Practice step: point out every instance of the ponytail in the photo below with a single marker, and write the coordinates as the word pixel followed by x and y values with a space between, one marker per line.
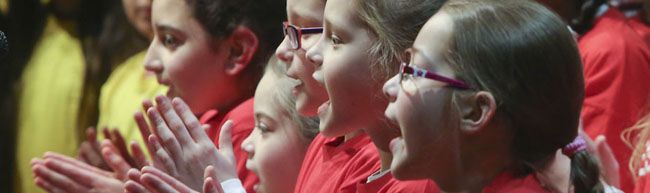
pixel 585 171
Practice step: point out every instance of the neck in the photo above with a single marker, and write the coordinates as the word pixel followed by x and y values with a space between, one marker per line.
pixel 480 160
pixel 381 135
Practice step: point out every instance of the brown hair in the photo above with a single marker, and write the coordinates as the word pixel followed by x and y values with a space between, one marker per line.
pixel 395 24
pixel 263 17
pixel 308 126
pixel 526 57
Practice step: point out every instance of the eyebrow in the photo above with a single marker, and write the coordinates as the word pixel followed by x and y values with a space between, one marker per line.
pixel 166 28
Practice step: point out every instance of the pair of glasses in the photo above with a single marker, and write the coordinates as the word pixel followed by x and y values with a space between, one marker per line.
pixel 295 33
pixel 406 70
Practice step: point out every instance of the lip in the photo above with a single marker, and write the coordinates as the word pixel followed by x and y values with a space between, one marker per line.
pixel 323 107
pixel 395 144
pixel 298 88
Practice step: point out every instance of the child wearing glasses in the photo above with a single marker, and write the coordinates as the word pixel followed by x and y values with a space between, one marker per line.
pixel 490 91
pixel 352 58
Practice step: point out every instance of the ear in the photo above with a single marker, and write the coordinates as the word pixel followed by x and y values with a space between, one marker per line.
pixel 243 45
pixel 477 111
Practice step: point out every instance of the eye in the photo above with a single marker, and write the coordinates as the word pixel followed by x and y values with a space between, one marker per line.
pixel 335 39
pixel 170 41
pixel 263 128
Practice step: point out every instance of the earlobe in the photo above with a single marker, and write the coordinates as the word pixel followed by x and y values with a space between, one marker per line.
pixel 477 112
pixel 243 45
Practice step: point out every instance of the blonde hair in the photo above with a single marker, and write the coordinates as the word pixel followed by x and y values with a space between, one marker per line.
pixel 637 137
pixel 308 126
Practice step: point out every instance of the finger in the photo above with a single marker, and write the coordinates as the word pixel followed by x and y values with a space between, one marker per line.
pixel 145 132
pixel 107 133
pixel 608 161
pixel 134 187
pixel 134 175
pixel 225 139
pixel 210 186
pixel 119 142
pixel 591 146
pixel 168 138
pixel 162 155
pixel 76 163
pixel 173 120
pixel 146 104
pixel 138 155
pixel 80 176
pixel 211 183
pixel 190 120
pixel 176 184
pixel 47 186
pixel 206 128
pixel 90 154
pixel 55 179
pixel 91 133
pixel 156 184
pixel 115 160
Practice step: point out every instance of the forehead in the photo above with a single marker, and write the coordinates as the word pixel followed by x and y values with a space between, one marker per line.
pixel 308 9
pixel 435 36
pixel 341 12
pixel 170 11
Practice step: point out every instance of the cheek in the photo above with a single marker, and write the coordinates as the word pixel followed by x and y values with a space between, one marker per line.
pixel 278 165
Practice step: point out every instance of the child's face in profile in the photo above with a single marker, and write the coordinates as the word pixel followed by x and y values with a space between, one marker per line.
pixel 184 57
pixel 309 94
pixel 343 68
pixel 423 110
pixel 139 14
pixel 275 147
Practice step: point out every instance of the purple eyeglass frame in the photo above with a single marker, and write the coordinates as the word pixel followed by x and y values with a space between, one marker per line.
pixel 418 72
pixel 299 32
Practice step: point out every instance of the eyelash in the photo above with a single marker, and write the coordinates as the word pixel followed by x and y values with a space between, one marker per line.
pixel 335 39
pixel 169 41
pixel 262 128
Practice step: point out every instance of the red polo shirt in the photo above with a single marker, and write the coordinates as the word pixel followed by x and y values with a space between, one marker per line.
pixel 641 28
pixel 506 183
pixel 617 74
pixel 332 165
pixel 243 124
pixel 388 184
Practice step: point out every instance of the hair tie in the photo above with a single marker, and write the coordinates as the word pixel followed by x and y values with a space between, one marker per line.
pixel 574 147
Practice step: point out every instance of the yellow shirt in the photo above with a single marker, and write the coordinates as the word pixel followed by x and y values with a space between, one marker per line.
pixel 52 83
pixel 122 95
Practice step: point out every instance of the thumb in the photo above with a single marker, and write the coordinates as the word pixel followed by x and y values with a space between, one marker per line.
pixel 225 140
pixel 608 161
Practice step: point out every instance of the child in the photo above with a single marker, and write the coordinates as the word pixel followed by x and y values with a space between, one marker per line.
pixel 350 63
pixel 210 53
pixel 276 147
pixel 491 91
pixel 125 88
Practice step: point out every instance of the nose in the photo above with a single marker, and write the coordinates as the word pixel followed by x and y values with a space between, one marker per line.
pixel 391 88
pixel 284 51
pixel 315 54
pixel 151 61
pixel 247 145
